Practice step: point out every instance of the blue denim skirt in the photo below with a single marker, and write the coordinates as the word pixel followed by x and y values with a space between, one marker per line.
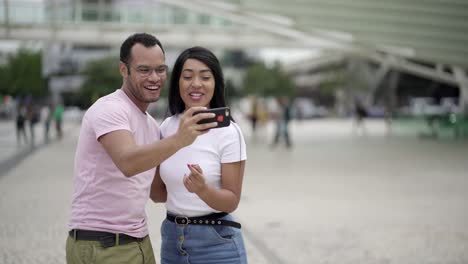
pixel 201 244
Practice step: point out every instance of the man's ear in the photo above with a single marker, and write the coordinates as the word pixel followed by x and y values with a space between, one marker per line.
pixel 123 69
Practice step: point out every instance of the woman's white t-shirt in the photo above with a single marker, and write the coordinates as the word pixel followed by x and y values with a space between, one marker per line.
pixel 209 151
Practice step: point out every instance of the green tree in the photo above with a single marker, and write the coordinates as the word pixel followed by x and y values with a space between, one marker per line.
pixel 102 77
pixel 231 90
pixel 3 80
pixel 264 81
pixel 236 59
pixel 337 81
pixel 22 74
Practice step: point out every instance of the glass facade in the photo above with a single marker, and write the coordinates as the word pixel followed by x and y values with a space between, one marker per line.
pixel 153 14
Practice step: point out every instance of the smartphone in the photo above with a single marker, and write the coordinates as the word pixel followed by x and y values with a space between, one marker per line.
pixel 222 116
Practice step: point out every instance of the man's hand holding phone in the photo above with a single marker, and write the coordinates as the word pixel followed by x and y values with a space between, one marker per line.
pixel 222 116
pixel 189 127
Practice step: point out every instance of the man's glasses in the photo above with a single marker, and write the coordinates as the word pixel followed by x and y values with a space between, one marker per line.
pixel 145 71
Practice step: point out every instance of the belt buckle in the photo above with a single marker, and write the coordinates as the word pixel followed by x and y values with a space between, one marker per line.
pixel 108 241
pixel 181 220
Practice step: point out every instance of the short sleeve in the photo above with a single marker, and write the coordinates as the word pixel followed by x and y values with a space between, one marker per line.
pixel 233 148
pixel 163 127
pixel 169 126
pixel 108 116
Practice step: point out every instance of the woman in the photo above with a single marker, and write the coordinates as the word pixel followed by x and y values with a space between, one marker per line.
pixel 201 183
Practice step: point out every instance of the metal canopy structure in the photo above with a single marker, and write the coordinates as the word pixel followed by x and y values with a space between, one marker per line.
pixel 430 30
pixel 427 38
pixel 434 31
pixel 396 34
pixel 423 37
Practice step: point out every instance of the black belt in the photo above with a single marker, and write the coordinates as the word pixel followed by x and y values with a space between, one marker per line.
pixel 105 238
pixel 211 219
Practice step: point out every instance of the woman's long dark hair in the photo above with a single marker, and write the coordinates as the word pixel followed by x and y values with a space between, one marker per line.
pixel 176 105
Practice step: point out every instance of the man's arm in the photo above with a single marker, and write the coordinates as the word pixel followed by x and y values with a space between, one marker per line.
pixel 132 159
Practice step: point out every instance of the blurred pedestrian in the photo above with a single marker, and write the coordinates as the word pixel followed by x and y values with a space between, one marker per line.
pixel 283 117
pixel 202 183
pixel 360 113
pixel 254 114
pixel 33 118
pixel 20 125
pixel 388 118
pixel 117 153
pixel 58 119
pixel 46 118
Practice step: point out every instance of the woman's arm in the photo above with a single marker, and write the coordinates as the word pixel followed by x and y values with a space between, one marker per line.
pixel 158 189
pixel 225 199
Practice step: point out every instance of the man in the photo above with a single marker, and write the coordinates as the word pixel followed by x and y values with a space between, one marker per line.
pixel 282 121
pixel 118 151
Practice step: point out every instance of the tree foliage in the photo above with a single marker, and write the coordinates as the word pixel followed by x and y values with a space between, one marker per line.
pixel 236 59
pixel 3 80
pixel 264 81
pixel 102 77
pixel 22 75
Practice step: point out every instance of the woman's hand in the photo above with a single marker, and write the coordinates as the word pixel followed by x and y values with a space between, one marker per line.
pixel 195 181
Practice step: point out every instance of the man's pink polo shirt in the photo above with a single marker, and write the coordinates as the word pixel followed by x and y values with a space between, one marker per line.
pixel 104 199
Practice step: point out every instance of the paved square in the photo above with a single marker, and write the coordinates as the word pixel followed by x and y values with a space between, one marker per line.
pixel 335 197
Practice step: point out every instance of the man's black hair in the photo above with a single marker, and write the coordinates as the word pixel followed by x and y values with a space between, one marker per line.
pixel 176 105
pixel 144 39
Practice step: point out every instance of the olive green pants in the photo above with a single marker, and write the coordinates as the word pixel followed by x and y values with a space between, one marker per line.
pixel 91 252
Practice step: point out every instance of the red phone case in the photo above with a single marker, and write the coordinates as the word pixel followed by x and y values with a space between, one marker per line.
pixel 223 116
